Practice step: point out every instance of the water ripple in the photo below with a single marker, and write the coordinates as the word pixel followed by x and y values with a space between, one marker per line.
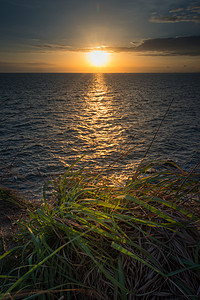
pixel 47 121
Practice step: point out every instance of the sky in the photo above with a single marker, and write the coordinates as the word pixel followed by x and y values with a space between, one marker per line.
pixel 139 35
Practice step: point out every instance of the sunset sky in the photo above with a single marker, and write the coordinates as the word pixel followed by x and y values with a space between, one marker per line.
pixel 137 35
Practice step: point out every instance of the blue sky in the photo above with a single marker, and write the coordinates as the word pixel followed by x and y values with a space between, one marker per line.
pixel 36 26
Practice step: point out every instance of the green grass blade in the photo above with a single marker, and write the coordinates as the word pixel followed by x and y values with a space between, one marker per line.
pixel 134 256
pixel 41 262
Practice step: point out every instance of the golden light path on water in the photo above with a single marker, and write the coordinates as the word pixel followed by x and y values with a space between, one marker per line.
pixel 99 116
pixel 98 119
pixel 104 123
pixel 98 126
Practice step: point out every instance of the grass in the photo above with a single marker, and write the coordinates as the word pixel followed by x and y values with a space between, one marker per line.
pixel 93 239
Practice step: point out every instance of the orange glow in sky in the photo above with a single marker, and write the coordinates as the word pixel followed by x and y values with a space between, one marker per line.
pixel 99 36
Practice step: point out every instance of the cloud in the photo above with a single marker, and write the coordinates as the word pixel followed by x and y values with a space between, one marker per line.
pixel 189 46
pixel 64 48
pixel 172 46
pixel 189 14
pixel 184 46
pixel 53 47
pixel 194 8
pixel 176 10
pixel 23 66
pixel 175 18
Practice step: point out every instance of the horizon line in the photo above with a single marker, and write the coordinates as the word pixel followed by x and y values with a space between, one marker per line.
pixel 194 72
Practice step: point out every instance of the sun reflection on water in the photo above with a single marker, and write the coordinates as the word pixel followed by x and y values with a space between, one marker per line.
pixel 99 117
pixel 95 125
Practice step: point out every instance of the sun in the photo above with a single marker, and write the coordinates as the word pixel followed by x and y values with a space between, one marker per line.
pixel 98 58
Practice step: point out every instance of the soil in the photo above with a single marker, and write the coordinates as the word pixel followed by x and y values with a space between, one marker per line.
pixel 12 209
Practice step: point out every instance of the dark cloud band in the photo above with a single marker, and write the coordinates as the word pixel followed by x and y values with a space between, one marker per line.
pixel 188 46
pixel 172 46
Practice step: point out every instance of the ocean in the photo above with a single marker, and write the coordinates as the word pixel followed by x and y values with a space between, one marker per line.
pixel 48 121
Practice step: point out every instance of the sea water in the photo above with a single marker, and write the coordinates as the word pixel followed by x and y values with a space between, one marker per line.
pixel 48 121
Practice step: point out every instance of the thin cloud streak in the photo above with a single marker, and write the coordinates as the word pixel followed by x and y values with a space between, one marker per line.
pixel 53 47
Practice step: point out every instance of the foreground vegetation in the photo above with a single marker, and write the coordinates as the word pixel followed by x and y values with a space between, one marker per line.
pixel 94 239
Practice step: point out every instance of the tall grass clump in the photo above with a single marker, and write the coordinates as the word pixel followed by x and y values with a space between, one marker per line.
pixel 96 240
